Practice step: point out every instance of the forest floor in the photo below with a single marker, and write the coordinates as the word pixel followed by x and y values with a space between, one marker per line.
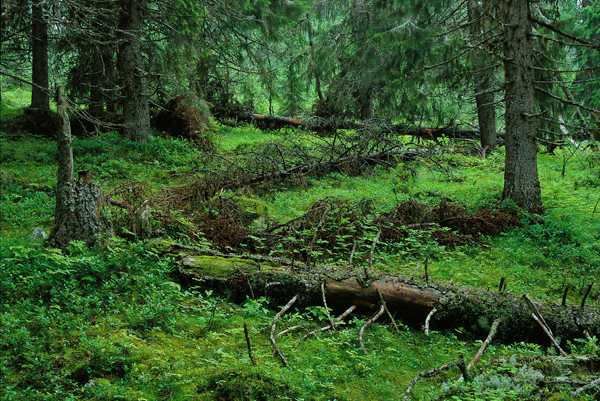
pixel 111 323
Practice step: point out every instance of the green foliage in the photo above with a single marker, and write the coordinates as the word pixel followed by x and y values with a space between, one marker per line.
pixel 108 324
pixel 247 386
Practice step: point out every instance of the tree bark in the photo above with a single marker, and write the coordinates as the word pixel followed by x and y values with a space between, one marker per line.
pixel 484 78
pixel 313 61
pixel 521 183
pixel 40 98
pixel 363 94
pixel 136 113
pixel 77 211
pixel 473 310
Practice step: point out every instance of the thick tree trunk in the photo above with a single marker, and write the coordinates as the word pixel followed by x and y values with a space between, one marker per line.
pixel 473 310
pixel 77 214
pixel 131 69
pixel 40 98
pixel 521 183
pixel 484 78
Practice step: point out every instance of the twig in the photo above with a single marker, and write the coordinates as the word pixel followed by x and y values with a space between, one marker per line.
pixel 250 287
pixel 388 311
pixel 484 345
pixel 248 345
pixel 353 251
pixel 537 316
pixel 289 330
pixel 272 337
pixel 331 321
pixel 427 320
pixel 588 289
pixel 502 285
pixel 564 296
pixel 340 320
pixel 369 322
pixel 423 375
pixel 426 269
pixel 589 386
pixel 372 253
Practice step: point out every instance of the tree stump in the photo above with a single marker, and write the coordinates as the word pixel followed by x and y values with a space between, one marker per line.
pixel 78 202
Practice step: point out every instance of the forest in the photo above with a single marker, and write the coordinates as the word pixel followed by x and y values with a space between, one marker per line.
pixel 328 200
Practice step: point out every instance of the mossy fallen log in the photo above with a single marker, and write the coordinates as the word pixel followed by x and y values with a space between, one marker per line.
pixel 471 310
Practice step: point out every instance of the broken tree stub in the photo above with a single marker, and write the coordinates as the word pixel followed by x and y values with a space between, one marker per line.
pixel 78 202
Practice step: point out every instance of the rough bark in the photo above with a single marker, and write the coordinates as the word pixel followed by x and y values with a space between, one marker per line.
pixel 473 310
pixel 521 183
pixel 363 95
pixel 313 61
pixel 136 111
pixel 77 214
pixel 483 78
pixel 40 98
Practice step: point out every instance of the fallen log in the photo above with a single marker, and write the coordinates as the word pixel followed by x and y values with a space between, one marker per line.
pixel 207 187
pixel 329 125
pixel 472 310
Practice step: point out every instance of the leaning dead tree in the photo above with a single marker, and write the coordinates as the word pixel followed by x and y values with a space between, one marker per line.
pixel 472 309
pixel 78 201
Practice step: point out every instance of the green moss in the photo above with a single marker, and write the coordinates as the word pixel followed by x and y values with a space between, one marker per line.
pixel 221 267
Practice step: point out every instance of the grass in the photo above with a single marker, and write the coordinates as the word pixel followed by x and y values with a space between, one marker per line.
pixel 109 324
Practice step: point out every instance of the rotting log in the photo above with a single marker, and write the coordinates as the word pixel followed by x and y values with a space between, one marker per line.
pixel 473 310
pixel 328 125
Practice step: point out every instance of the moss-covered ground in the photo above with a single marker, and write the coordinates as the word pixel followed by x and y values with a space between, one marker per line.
pixel 110 324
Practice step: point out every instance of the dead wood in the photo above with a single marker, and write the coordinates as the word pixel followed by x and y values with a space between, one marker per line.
pixel 273 337
pixel 340 320
pixel 370 321
pixel 472 309
pixel 484 344
pixel 330 125
pixel 77 214
pixel 248 344
pixel 424 375
pixel 210 186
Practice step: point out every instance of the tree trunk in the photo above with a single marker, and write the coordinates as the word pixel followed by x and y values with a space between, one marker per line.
pixel 473 310
pixel 40 98
pixel 521 183
pixel 363 95
pixel 77 212
pixel 313 61
pixel 484 78
pixel 136 112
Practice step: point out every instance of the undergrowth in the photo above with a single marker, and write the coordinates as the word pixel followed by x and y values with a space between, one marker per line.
pixel 111 323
